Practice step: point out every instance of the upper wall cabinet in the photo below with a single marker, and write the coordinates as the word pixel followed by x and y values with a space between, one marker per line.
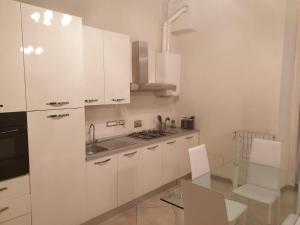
pixel 93 66
pixel 53 59
pixel 117 67
pixel 12 86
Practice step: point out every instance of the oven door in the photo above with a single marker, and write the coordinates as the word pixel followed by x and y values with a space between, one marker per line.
pixel 14 160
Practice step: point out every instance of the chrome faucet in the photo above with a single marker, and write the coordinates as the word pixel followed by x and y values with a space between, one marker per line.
pixel 90 131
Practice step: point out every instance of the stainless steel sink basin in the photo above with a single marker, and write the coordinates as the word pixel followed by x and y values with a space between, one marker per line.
pixel 94 149
pixel 108 145
pixel 115 143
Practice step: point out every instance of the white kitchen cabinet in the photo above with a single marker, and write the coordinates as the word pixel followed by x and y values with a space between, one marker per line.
pixel 130 176
pixel 53 59
pixel 13 208
pixel 93 66
pixel 22 220
pixel 185 143
pixel 14 188
pixel 57 166
pixel 152 167
pixel 101 185
pixel 12 84
pixel 171 160
pixel 117 68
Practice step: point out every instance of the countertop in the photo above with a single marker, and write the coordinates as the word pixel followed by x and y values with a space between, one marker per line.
pixel 140 143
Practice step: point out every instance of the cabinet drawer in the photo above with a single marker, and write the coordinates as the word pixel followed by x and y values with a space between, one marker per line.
pixel 14 188
pixel 13 208
pixel 23 220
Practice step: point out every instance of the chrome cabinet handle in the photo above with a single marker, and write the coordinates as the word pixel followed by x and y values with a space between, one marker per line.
pixel 3 189
pixel 91 100
pixel 10 131
pixel 130 154
pixel 189 137
pixel 152 148
pixel 171 142
pixel 118 99
pixel 59 116
pixel 103 162
pixel 4 209
pixel 57 104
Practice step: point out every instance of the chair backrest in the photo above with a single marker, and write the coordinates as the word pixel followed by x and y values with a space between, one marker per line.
pixel 265 162
pixel 266 152
pixel 199 161
pixel 203 206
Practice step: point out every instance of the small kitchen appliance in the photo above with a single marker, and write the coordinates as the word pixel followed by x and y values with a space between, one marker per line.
pixel 188 123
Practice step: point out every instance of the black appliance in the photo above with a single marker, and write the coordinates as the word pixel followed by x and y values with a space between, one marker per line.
pixel 188 123
pixel 14 159
pixel 148 134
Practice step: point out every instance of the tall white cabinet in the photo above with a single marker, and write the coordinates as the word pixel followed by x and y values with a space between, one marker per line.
pixel 53 59
pixel 57 166
pixel 53 56
pixel 117 67
pixel 12 86
pixel 93 66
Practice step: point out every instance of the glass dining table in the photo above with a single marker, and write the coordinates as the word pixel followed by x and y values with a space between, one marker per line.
pixel 252 184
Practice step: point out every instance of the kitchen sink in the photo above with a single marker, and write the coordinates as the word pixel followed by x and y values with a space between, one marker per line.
pixel 108 145
pixel 115 143
pixel 94 149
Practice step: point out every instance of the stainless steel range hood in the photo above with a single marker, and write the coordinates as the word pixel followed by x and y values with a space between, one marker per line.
pixel 140 81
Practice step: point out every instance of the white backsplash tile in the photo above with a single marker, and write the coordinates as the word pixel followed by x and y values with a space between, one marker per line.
pixel 144 106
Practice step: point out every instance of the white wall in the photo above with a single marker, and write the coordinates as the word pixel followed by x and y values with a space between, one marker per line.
pixel 231 71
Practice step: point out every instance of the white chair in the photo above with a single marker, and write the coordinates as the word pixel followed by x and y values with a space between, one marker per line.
pixel 200 167
pixel 263 174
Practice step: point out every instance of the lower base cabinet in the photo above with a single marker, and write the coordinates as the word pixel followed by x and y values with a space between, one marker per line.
pixel 12 208
pixel 23 220
pixel 130 176
pixel 171 161
pixel 115 180
pixel 101 185
pixel 185 143
pixel 152 167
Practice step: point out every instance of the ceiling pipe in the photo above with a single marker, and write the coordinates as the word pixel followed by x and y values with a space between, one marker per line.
pixel 166 39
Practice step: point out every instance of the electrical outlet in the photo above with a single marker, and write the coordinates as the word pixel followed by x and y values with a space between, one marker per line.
pixel 122 123
pixel 138 123
pixel 111 123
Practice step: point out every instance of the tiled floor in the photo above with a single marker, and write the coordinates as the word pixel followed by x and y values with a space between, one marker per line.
pixel 155 212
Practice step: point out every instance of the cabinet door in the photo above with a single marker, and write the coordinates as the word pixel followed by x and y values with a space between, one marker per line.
pixel 152 167
pixel 130 177
pixel 12 85
pixel 93 66
pixel 57 166
pixel 101 185
pixel 23 220
pixel 53 59
pixel 186 143
pixel 171 161
pixel 117 67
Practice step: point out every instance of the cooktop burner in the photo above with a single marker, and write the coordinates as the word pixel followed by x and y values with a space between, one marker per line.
pixel 148 134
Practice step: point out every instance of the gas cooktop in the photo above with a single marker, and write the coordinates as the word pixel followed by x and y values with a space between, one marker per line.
pixel 148 134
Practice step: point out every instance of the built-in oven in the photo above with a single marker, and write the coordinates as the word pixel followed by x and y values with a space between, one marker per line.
pixel 14 159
